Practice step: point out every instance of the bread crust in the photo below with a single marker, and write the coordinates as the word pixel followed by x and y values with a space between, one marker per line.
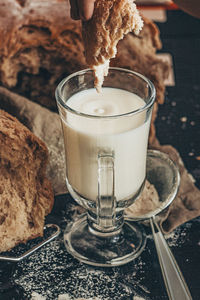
pixel 26 195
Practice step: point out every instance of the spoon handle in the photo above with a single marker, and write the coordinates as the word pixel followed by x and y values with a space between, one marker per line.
pixel 174 281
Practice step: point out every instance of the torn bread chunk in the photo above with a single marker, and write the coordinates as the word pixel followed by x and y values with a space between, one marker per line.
pixel 111 20
pixel 26 194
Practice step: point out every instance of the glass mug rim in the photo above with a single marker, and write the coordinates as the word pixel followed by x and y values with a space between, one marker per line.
pixel 148 104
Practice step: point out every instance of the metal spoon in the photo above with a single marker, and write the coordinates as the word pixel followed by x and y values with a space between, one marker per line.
pixel 175 284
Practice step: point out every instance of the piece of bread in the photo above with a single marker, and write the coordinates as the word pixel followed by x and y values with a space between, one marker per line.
pixel 111 20
pixel 26 195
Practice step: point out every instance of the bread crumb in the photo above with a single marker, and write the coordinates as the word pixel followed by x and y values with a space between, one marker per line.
pixel 183 119
pixel 100 72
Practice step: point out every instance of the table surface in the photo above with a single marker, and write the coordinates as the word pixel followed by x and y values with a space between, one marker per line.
pixel 51 271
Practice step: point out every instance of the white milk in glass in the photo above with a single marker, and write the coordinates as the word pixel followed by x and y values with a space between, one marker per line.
pixel 125 137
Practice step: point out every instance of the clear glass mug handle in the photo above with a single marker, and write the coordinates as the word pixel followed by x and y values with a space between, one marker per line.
pixel 106 201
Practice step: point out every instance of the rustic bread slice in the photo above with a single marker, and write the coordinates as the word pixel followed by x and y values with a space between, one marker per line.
pixel 111 20
pixel 26 195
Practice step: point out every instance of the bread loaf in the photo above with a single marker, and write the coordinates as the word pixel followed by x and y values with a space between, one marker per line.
pixel 26 195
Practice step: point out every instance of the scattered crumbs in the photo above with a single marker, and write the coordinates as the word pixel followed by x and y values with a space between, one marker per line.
pixel 36 296
pixel 64 297
pixel 52 263
pixel 192 123
pixel 73 280
pixel 138 298
pixel 183 119
pixel 163 118
pixel 67 297
pixel 191 154
pixel 173 103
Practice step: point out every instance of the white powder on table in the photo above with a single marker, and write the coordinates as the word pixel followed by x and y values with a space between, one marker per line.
pixel 52 273
pixel 36 296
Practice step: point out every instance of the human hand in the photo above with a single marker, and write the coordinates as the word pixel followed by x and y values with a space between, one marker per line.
pixel 81 9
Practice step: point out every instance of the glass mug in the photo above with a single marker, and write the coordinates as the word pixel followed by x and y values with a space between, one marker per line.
pixel 106 139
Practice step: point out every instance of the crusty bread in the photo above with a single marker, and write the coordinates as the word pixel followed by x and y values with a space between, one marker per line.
pixel 26 195
pixel 111 20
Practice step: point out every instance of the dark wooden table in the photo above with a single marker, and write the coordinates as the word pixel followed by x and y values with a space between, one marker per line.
pixel 51 271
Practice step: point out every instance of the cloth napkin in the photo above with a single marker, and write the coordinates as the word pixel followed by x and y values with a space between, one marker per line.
pixel 47 126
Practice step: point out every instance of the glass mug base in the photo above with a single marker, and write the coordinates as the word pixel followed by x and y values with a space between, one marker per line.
pixel 101 251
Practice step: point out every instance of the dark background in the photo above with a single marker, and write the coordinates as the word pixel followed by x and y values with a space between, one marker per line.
pixel 180 36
